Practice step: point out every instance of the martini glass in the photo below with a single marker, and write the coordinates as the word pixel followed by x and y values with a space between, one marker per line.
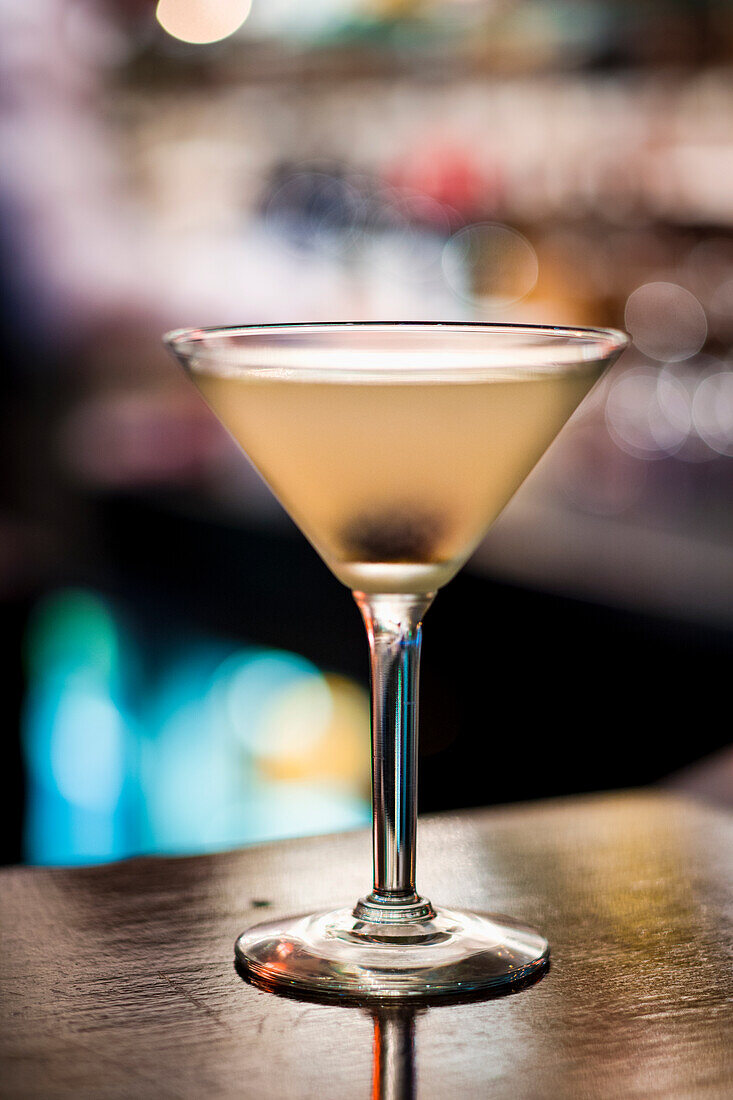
pixel 394 447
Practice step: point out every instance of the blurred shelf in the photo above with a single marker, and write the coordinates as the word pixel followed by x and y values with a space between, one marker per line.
pixel 611 561
pixel 441 40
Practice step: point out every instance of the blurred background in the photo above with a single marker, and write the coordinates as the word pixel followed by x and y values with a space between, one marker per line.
pixel 181 673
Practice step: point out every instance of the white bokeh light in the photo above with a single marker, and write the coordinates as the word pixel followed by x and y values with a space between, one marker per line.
pixel 666 321
pixel 687 374
pixel 202 21
pixel 648 413
pixel 712 411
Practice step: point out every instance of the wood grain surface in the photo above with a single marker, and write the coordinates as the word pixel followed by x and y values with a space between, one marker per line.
pixel 119 981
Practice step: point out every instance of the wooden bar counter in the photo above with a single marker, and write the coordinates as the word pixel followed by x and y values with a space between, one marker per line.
pixel 119 981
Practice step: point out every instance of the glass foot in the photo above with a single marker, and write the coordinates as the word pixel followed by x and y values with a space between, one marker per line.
pixel 446 954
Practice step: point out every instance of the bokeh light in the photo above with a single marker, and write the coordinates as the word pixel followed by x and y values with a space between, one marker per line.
pixel 666 321
pixel 491 266
pixel 648 413
pixel 76 736
pixel 88 750
pixel 278 704
pixel 224 746
pixel 315 209
pixel 712 410
pixel 202 21
pixel 686 376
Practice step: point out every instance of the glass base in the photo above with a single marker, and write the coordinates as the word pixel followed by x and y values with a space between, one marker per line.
pixel 337 954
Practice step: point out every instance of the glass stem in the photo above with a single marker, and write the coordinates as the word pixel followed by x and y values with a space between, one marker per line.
pixel 394 628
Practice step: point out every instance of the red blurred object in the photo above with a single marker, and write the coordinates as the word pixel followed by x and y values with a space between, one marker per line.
pixel 449 174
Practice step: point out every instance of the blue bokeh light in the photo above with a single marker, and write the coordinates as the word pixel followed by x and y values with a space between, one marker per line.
pixel 215 746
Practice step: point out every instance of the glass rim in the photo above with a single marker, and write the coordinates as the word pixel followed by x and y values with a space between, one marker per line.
pixel 542 348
